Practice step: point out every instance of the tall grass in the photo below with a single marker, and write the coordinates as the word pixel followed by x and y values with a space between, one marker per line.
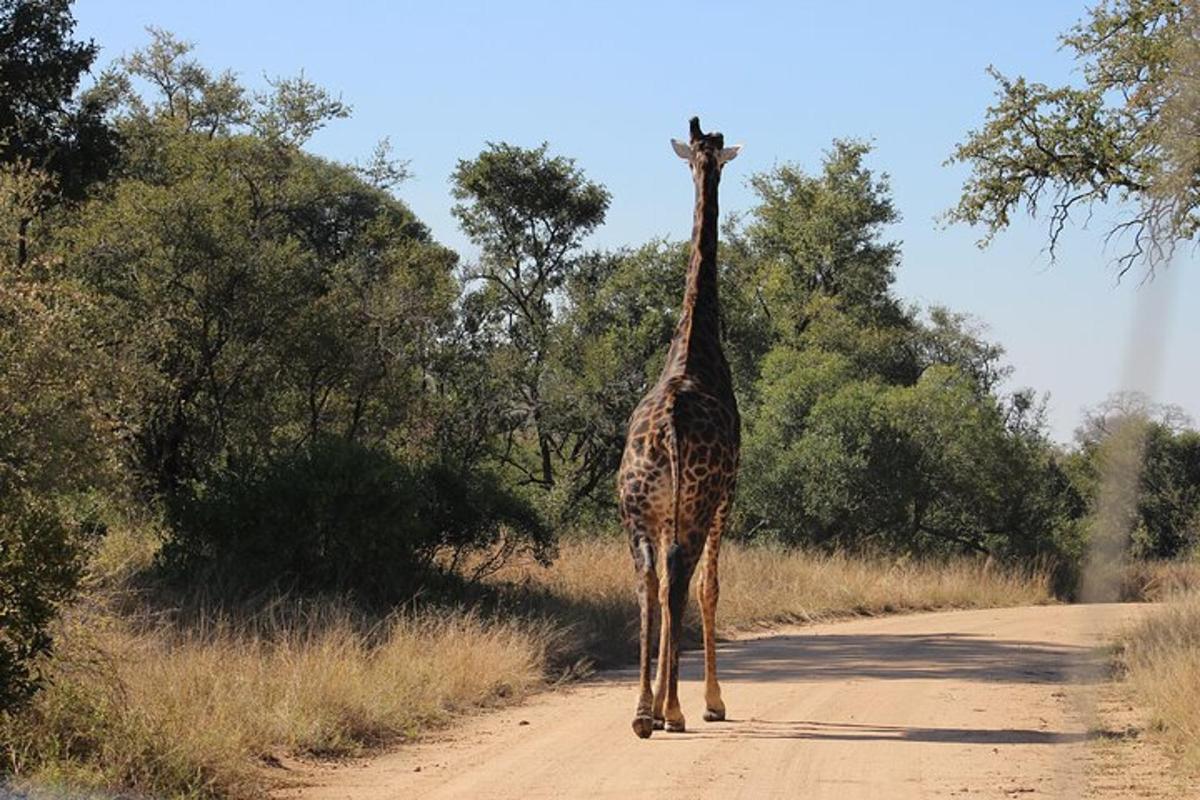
pixel 203 703
pixel 1155 581
pixel 590 591
pixel 199 714
pixel 1163 657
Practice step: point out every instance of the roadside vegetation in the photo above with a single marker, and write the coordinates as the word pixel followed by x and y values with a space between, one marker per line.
pixel 1162 656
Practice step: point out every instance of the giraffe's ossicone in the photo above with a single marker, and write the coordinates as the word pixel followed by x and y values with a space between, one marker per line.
pixel 679 469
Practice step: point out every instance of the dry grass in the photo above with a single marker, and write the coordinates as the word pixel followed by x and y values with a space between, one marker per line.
pixel 1163 658
pixel 591 588
pixel 201 714
pixel 1155 581
pixel 199 705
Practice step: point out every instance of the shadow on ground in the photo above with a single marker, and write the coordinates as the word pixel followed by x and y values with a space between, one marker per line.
pixel 834 657
pixel 851 732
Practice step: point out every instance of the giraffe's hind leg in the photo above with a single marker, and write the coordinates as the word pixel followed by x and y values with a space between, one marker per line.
pixel 708 591
pixel 664 653
pixel 647 589
pixel 679 573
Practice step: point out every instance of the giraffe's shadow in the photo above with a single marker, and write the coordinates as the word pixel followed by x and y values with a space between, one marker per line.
pixel 812 730
pixel 801 658
pixel 811 659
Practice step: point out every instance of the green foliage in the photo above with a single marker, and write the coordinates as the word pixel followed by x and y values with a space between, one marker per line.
pixel 869 425
pixel 529 213
pixel 44 126
pixel 52 442
pixel 1128 134
pixel 848 462
pixel 820 235
pixel 1166 517
pixel 260 296
pixel 337 516
pixel 620 311
pixel 1170 503
pixel 39 568
pixel 42 121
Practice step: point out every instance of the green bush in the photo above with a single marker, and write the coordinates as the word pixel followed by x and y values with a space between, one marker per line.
pixel 39 568
pixel 339 516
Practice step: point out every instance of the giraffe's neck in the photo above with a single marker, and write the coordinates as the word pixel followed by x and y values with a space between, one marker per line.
pixel 696 347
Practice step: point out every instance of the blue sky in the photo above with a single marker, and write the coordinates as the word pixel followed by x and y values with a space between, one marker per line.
pixel 609 83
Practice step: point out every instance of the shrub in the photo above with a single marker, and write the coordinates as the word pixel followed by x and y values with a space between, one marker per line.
pixel 39 568
pixel 339 516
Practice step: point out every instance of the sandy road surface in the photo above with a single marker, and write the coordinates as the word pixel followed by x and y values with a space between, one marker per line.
pixel 977 704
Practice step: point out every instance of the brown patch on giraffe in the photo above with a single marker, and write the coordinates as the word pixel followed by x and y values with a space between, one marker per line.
pixel 679 470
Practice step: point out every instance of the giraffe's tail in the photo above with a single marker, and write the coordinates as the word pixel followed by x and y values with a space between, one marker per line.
pixel 676 475
pixel 675 569
pixel 677 578
pixel 674 554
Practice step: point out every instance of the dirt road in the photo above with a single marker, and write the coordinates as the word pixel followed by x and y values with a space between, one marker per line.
pixel 978 704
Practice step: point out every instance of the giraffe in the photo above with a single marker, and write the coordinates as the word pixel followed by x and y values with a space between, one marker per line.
pixel 679 469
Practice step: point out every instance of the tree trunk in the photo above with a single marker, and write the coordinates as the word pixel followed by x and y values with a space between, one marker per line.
pixel 22 247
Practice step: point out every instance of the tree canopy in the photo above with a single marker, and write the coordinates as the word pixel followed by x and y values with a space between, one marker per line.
pixel 45 123
pixel 1127 137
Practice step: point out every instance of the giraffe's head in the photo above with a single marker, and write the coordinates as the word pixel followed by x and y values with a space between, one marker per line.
pixel 704 151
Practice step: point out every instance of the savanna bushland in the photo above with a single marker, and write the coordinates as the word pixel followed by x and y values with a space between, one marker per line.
pixel 280 474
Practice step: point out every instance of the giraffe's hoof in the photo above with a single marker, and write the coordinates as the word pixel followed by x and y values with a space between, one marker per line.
pixel 714 715
pixel 676 726
pixel 658 724
pixel 643 727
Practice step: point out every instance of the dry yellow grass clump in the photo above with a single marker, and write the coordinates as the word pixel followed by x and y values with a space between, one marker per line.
pixel 202 713
pixel 1154 581
pixel 169 703
pixel 1163 657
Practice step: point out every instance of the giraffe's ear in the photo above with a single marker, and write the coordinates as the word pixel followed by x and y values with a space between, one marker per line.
pixel 729 153
pixel 682 150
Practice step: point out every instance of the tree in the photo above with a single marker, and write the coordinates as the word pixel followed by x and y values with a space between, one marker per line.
pixel 53 441
pixel 1164 501
pixel 1129 135
pixel 286 329
pixel 821 236
pixel 263 296
pixel 931 467
pixel 870 423
pixel 44 125
pixel 529 213
pixel 956 339
pixel 619 312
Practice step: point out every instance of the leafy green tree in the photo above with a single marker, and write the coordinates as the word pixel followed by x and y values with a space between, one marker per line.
pixel 44 124
pixel 618 315
pixel 528 212
pixel 1128 134
pixel 955 339
pixel 263 296
pixel 187 95
pixel 53 441
pixel 931 467
pixel 870 424
pixel 293 370
pixel 820 236
pixel 1169 508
